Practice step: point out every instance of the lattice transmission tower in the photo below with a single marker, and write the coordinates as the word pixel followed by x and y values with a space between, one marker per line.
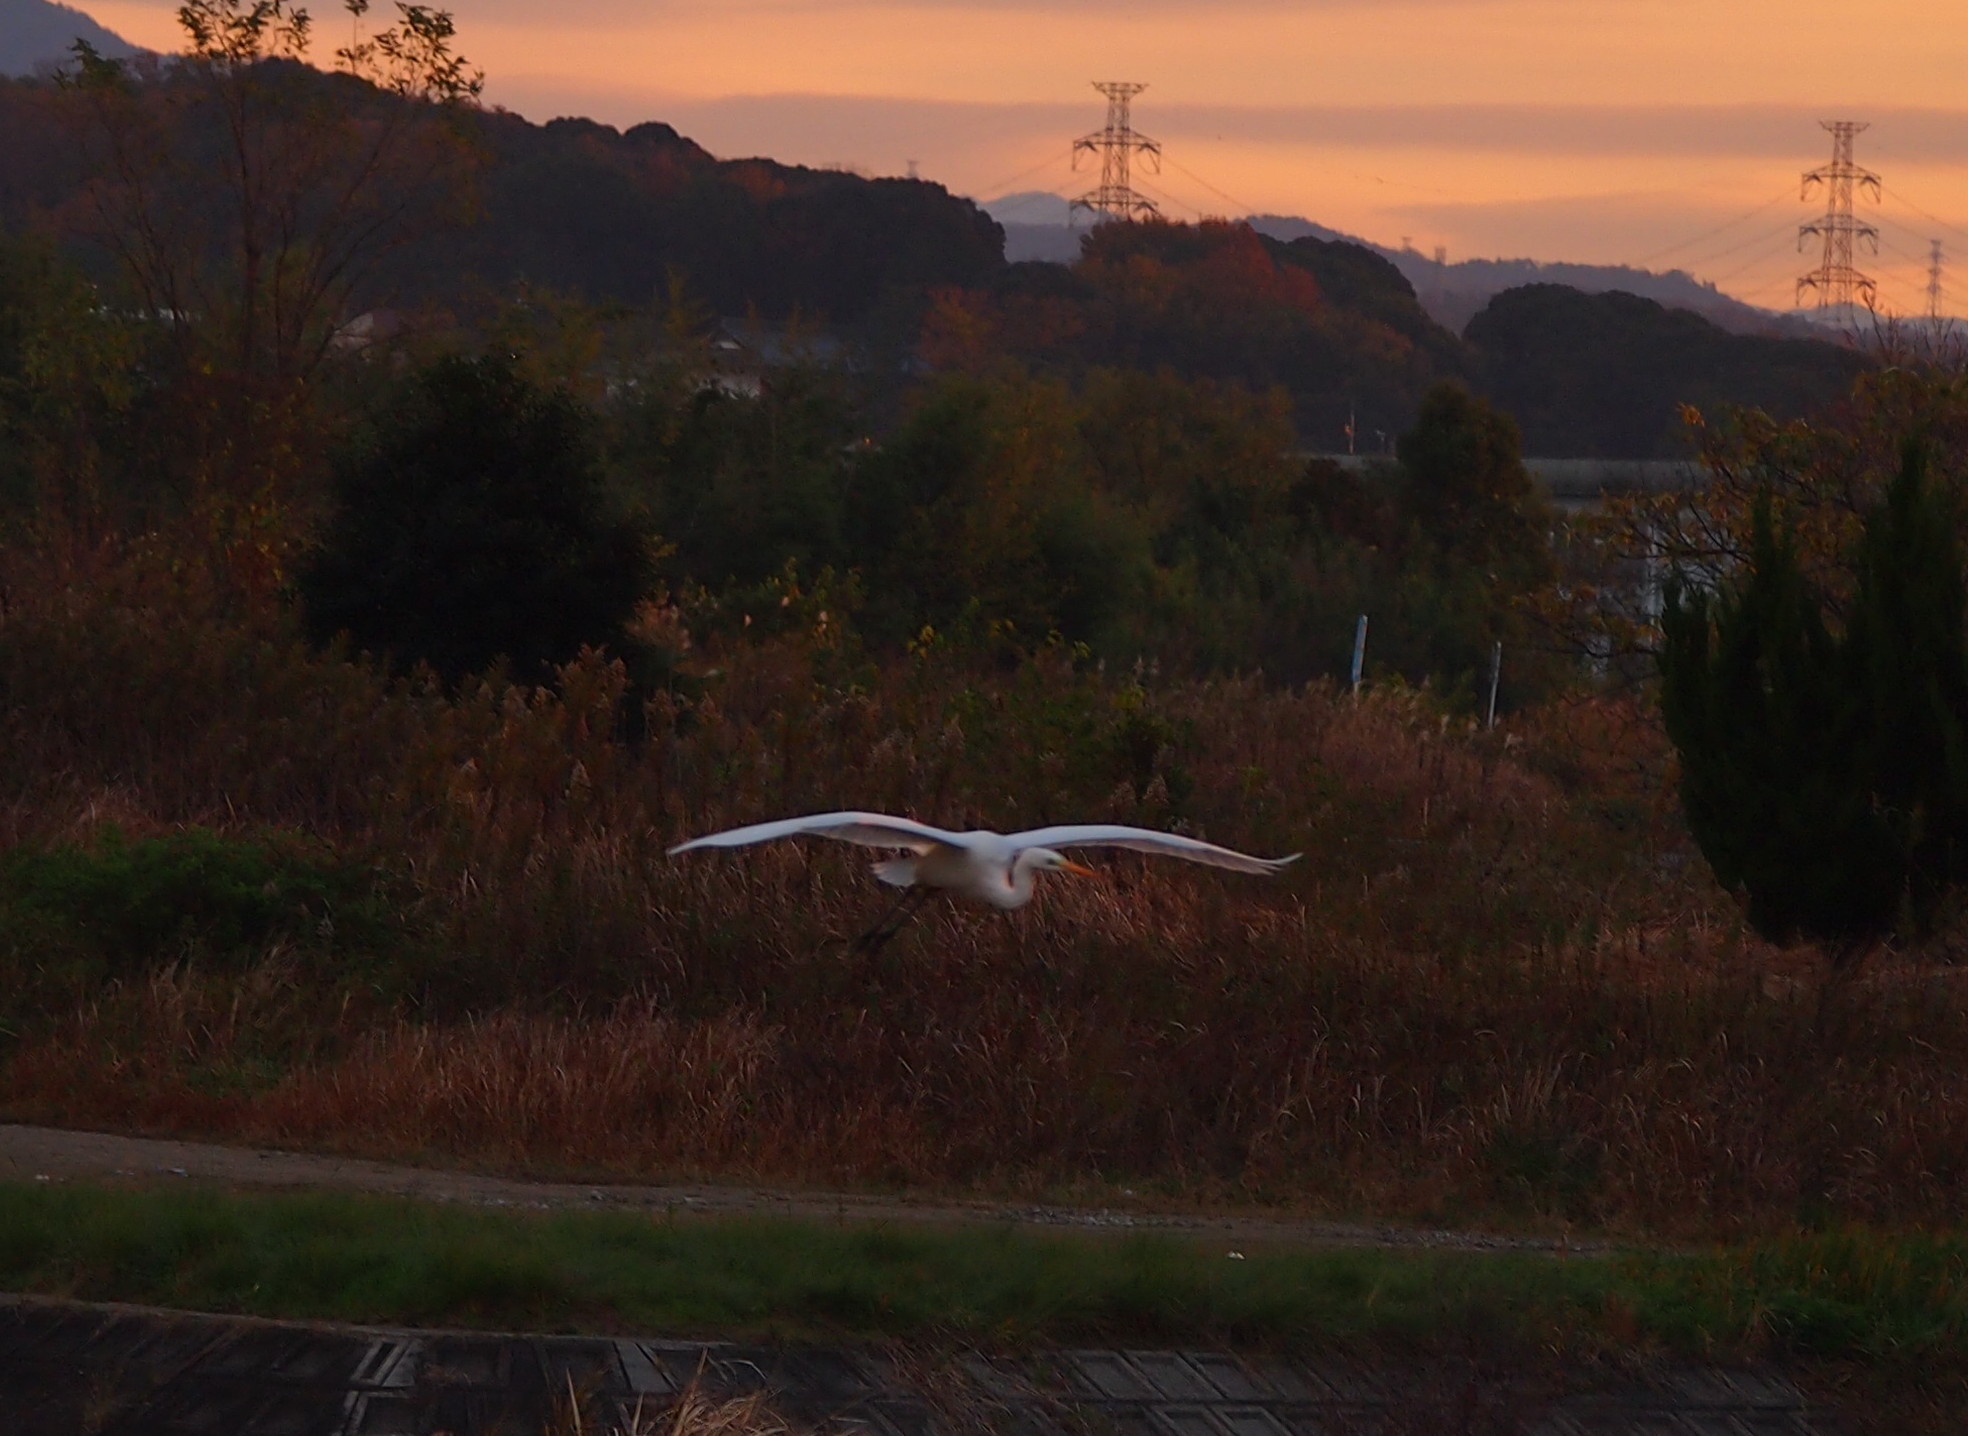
pixel 1837 281
pixel 1936 265
pixel 1117 145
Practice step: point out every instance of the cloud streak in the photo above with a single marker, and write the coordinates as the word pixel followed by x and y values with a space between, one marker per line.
pixel 1788 133
pixel 1783 134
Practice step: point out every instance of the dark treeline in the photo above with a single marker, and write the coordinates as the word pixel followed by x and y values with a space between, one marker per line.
pixel 577 208
pixel 1606 375
pixel 928 446
pixel 571 205
pixel 1146 516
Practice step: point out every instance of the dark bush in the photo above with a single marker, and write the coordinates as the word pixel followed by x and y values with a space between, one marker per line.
pixel 473 526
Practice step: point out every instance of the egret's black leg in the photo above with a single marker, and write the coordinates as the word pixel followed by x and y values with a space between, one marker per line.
pixel 888 915
pixel 905 913
pixel 893 921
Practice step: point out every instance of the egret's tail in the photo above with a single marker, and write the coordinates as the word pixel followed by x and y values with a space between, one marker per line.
pixel 897 872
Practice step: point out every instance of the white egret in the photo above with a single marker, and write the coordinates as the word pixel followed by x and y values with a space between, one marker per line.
pixel 993 868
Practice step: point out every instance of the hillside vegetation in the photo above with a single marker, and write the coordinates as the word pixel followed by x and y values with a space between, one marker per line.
pixel 901 271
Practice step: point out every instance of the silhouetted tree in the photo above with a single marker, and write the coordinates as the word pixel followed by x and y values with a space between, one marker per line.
pixel 1908 666
pixel 1825 773
pixel 1468 489
pixel 1479 544
pixel 474 526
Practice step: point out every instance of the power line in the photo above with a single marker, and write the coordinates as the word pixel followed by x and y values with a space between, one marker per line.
pixel 1647 259
pixel 1248 209
pixel 1902 226
pixel 1754 260
pixel 1761 237
pixel 1929 264
pixel 1933 218
pixel 1052 159
pixel 1906 256
pixel 1167 198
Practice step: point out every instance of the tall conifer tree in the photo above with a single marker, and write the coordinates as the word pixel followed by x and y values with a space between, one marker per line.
pixel 1825 773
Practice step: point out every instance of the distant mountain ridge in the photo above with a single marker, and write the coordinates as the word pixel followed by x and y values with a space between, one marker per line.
pixel 1038 226
pixel 35 34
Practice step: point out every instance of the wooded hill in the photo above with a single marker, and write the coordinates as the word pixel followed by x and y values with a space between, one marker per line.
pixel 1605 375
pixel 578 208
pixel 1340 329
pixel 584 209
pixel 581 207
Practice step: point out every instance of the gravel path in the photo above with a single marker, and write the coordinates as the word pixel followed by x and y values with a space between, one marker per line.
pixel 34 1153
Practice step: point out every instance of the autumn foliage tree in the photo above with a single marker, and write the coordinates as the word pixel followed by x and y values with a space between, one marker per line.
pixel 248 200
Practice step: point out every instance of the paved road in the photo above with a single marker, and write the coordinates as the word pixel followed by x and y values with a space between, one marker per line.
pixel 74 1369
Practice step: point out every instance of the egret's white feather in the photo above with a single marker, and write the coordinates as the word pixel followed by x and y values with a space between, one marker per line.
pixel 993 868
pixel 870 830
pixel 1147 840
pixel 896 872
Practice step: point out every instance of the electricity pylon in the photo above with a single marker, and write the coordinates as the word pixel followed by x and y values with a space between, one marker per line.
pixel 1838 283
pixel 1934 263
pixel 1117 145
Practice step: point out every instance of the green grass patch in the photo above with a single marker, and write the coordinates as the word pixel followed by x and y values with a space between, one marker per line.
pixel 120 906
pixel 360 1258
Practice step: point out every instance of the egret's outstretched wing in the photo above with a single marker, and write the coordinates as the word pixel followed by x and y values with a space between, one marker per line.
pixel 870 830
pixel 1146 840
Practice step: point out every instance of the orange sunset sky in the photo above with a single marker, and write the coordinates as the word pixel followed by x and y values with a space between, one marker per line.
pixel 1668 133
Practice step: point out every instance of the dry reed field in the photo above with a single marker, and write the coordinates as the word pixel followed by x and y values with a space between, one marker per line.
pixel 1499 987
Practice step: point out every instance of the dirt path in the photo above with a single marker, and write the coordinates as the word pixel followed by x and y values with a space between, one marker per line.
pixel 52 1154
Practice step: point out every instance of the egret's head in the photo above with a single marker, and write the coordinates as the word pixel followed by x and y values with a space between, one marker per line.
pixel 1045 860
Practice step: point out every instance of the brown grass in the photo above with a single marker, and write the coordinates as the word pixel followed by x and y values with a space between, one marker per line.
pixel 694 1412
pixel 1499 984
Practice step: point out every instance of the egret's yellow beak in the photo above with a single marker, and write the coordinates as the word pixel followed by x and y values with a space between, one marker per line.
pixel 1069 866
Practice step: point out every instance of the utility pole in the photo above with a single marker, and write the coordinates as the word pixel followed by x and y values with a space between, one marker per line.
pixel 1117 145
pixel 1934 263
pixel 1837 282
